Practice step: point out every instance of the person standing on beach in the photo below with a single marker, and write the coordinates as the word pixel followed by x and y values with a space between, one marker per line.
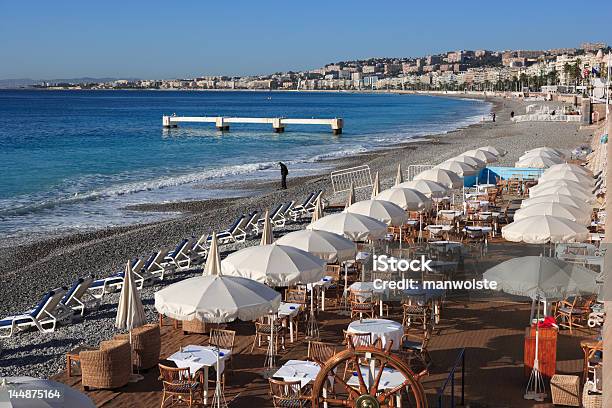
pixel 284 173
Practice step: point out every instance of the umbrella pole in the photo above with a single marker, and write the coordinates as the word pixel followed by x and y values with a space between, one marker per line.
pixel 133 377
pixel 271 346
pixel 312 330
pixel 345 292
pixel 218 399
pixel 535 387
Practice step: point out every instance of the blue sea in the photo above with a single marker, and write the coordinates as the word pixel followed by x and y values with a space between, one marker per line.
pixel 72 160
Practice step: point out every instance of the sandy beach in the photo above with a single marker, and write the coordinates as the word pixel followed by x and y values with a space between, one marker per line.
pixel 32 269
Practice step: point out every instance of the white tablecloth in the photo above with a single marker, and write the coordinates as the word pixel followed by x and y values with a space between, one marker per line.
pixel 384 329
pixel 298 370
pixel 197 357
pixel 288 309
pixel 389 379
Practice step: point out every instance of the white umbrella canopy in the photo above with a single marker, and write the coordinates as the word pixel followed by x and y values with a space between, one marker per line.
pixel 567 175
pixel 385 211
pixel 399 177
pixel 328 246
pixel 375 186
pixel 546 154
pixel 461 169
pixel 565 190
pixel 408 199
pixel 274 265
pixel 546 184
pixel 355 227
pixel 494 150
pixel 542 229
pixel 428 188
pixel 542 277
pixel 58 395
pixel 470 161
pixel 447 178
pixel 267 237
pixel 555 209
pixel 566 200
pixel 538 162
pixel 547 149
pixel 568 166
pixel 483 155
pixel 130 312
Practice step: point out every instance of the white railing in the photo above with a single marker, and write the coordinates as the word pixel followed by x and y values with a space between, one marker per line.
pixel 359 176
pixel 415 169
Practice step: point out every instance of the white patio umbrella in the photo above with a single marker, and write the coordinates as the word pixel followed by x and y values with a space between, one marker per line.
pixel 399 177
pixel 351 195
pixel 546 184
pixel 547 149
pixel 385 211
pixel 567 175
pixel 130 312
pixel 267 237
pixel 457 167
pixel 447 178
pixel 542 229
pixel 274 265
pixel 355 227
pixel 318 210
pixel 53 394
pixel 470 161
pixel 538 162
pixel 328 246
pixel 494 150
pixel 428 188
pixel 483 155
pixel 375 186
pixel 408 199
pixel 568 166
pixel 550 155
pixel 556 210
pixel 566 200
pixel 563 189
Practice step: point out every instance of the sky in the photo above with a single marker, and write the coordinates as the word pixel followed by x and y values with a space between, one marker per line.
pixel 44 39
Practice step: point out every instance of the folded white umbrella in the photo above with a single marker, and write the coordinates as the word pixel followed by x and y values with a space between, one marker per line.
pixel 429 188
pixel 318 210
pixel 47 393
pixel 567 175
pixel 130 312
pixel 266 234
pixel 547 184
pixel 351 195
pixel 538 162
pixel 483 155
pixel 408 199
pixel 555 209
pixel 566 200
pixel 461 169
pixel 542 229
pixel 445 177
pixel 328 246
pixel 399 177
pixel 355 227
pixel 494 150
pixel 470 161
pixel 213 260
pixel 563 189
pixel 274 265
pixel 546 149
pixel 568 166
pixel 385 211
pixel 375 186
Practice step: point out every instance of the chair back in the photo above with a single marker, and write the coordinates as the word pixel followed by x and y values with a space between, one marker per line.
pixel 299 296
pixel 358 339
pixel 334 271
pixel 223 339
pixel 51 301
pixel 288 207
pixel 179 247
pixel 320 352
pixel 307 201
pixel 236 224
pixel 173 375
pixel 361 296
pixel 77 290
pixel 286 393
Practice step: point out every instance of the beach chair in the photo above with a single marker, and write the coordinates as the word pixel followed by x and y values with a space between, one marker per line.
pixel 250 225
pixel 200 247
pixel 44 316
pixel 100 287
pixel 258 228
pixel 179 257
pixel 73 302
pixel 155 266
pixel 301 209
pixel 286 212
pixel 235 233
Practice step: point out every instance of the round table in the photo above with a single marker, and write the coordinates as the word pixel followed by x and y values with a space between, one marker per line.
pixel 384 329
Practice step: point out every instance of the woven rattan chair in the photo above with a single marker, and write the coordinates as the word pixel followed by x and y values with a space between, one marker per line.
pixel 262 333
pixel 146 345
pixel 362 303
pixel 320 352
pixel 415 314
pixel 179 387
pixel 287 394
pixel 573 312
pixel 107 367
pixel 417 347
pixel 224 339
pixel 194 326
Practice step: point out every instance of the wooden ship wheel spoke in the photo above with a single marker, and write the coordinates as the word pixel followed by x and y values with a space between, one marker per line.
pixel 377 378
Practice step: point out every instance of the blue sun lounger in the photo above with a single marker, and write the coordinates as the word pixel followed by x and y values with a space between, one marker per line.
pixel 44 316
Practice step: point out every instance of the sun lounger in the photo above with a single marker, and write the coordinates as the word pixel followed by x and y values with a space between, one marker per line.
pixel 280 219
pixel 201 246
pixel 235 233
pixel 43 316
pixel 103 286
pixel 155 267
pixel 179 257
pixel 250 225
pixel 307 207
pixel 73 301
pixel 258 227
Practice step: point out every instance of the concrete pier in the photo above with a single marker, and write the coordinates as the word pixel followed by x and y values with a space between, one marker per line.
pixel 278 124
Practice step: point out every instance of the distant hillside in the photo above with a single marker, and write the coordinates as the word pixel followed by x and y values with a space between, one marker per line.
pixel 27 82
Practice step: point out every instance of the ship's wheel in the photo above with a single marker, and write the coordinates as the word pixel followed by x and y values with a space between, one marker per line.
pixel 375 378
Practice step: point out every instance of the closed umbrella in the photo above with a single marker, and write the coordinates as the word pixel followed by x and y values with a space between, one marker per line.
pixel 563 189
pixel 274 265
pixel 556 210
pixel 53 394
pixel 494 150
pixel 213 261
pixel 330 247
pixel 538 162
pixel 375 186
pixel 385 211
pixel 351 195
pixel 568 166
pixel 447 178
pixel 399 178
pixel 566 200
pixel 470 161
pixel 266 235
pixel 567 175
pixel 318 210
pixel 461 169
pixel 483 155
pixel 547 184
pixel 542 229
pixel 408 199
pixel 355 227
pixel 429 188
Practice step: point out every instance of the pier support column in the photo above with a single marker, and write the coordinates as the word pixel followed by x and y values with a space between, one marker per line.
pixel 277 125
pixel 221 125
pixel 167 123
pixel 337 125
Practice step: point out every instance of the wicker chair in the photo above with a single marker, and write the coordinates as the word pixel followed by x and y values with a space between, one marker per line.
pixel 415 314
pixel 418 347
pixel 262 332
pixel 320 352
pixel 574 312
pixel 108 367
pixel 194 326
pixel 146 345
pixel 224 339
pixel 362 303
pixel 178 386
pixel 287 394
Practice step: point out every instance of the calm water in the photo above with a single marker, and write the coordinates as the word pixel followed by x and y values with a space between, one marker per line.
pixel 72 160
